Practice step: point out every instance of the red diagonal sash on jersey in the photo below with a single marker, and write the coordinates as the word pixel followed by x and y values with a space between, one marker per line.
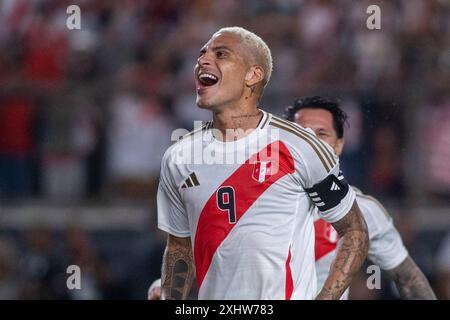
pixel 214 225
pixel 326 238
pixel 289 281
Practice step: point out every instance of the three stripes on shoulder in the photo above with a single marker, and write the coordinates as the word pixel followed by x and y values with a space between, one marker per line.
pixel 325 155
pixel 191 181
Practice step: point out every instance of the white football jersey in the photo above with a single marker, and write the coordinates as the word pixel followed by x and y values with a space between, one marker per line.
pixel 248 206
pixel 386 248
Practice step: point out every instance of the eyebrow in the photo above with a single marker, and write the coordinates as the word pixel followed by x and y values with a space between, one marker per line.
pixel 221 48
pixel 323 130
pixel 203 50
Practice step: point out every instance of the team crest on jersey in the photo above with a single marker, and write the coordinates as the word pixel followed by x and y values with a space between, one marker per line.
pixel 325 231
pixel 331 234
pixel 262 170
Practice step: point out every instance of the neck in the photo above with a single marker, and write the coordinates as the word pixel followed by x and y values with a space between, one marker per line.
pixel 239 120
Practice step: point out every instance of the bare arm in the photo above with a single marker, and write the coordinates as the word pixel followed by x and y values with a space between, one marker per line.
pixel 411 282
pixel 177 271
pixel 351 253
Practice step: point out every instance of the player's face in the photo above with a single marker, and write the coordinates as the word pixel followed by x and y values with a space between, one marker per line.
pixel 321 122
pixel 220 71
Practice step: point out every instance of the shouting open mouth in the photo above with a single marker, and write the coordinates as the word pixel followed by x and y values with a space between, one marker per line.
pixel 205 80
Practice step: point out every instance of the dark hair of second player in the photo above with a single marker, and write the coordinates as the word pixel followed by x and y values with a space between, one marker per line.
pixel 316 102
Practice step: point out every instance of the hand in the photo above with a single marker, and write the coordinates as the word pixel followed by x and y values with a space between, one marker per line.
pixel 154 292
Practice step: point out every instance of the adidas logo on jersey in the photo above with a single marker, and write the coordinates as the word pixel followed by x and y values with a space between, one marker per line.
pixel 191 181
pixel 335 187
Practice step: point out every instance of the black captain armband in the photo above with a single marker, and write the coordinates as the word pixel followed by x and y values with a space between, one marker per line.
pixel 329 192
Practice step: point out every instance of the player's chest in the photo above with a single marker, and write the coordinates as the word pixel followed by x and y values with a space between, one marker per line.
pixel 231 188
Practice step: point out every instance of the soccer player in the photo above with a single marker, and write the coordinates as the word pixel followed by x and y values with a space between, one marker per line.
pixel 236 196
pixel 386 248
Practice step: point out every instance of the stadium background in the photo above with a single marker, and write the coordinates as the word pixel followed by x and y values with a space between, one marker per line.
pixel 85 116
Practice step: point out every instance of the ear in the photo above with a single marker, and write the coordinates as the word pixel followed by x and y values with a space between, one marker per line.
pixel 254 75
pixel 339 146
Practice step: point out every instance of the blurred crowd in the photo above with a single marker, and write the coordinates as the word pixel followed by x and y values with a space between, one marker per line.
pixel 86 115
pixel 113 264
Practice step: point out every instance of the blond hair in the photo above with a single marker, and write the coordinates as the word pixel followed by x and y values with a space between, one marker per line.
pixel 259 48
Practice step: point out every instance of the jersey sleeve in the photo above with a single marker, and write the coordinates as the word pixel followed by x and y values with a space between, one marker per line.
pixel 318 169
pixel 386 248
pixel 172 216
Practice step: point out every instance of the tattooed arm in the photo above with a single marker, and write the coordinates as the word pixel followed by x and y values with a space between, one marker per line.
pixel 177 271
pixel 351 253
pixel 411 282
